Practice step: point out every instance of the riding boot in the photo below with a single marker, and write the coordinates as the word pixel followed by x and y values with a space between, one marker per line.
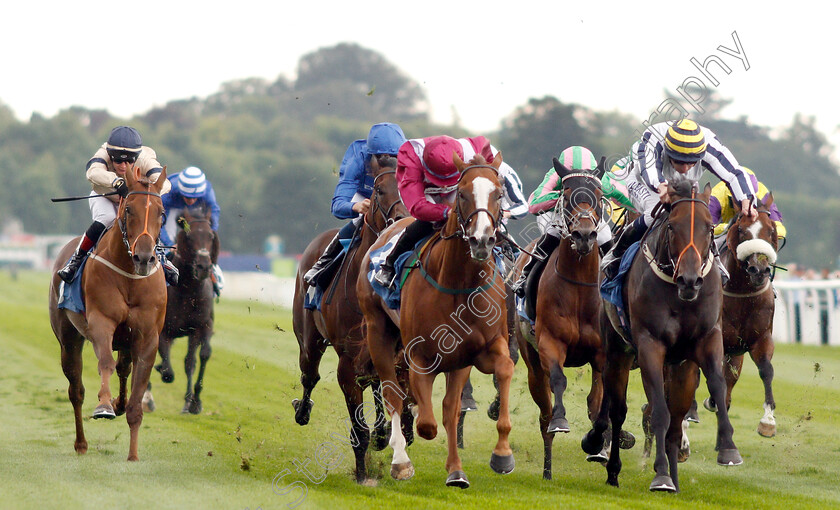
pixel 218 279
pixel 632 233
pixel 724 274
pixel 170 272
pixel 69 270
pixel 88 241
pixel 605 248
pixel 544 247
pixel 333 249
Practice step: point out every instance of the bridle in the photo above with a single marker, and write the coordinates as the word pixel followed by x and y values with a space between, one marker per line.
pixel 378 207
pixel 568 217
pixel 661 270
pixel 464 222
pixel 121 222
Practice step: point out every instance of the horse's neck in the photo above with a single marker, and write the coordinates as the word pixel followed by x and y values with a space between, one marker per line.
pixel 571 264
pixel 452 265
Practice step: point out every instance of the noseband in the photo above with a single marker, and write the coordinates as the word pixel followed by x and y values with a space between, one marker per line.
pixel 463 222
pixel 568 217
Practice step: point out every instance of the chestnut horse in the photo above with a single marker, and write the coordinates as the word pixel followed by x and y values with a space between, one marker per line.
pixel 189 308
pixel 749 305
pixel 125 302
pixel 672 295
pixel 453 310
pixel 567 306
pixel 340 319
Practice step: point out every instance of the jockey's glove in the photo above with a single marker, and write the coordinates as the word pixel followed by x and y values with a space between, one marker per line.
pixel 121 187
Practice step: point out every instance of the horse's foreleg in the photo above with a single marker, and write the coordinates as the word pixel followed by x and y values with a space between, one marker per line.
pixel 311 351
pixel 679 387
pixel 762 354
pixel 712 360
pixel 189 369
pixel 451 413
pixel 101 330
pixel 651 358
pixel 360 437
pixel 71 364
pixel 502 461
pixel 381 428
pixel 616 375
pixel 552 357
pixel 167 375
pixel 731 373
pixel 541 393
pixel 421 389
pixel 123 371
pixel 143 353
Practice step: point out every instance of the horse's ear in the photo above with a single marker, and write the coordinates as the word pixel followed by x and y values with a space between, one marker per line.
pixel 561 170
pixel 601 168
pixel 707 191
pixel 497 160
pixel 158 185
pixel 135 170
pixel 768 200
pixel 459 163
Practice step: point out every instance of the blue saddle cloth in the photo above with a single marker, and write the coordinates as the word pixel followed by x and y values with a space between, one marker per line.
pixel 377 257
pixel 70 295
pixel 612 290
pixel 314 294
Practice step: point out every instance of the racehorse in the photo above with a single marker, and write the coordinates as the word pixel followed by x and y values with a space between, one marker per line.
pixel 567 306
pixel 672 294
pixel 125 305
pixel 749 305
pixel 189 307
pixel 453 310
pixel 340 320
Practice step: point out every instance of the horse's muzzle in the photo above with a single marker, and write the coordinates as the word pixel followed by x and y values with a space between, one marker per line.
pixel 688 287
pixel 481 248
pixel 144 262
pixel 584 241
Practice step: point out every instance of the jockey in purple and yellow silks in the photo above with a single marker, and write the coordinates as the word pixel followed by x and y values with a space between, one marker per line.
pixel 672 151
pixel 720 205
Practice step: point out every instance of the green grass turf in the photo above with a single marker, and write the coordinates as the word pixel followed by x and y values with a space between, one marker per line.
pixel 234 454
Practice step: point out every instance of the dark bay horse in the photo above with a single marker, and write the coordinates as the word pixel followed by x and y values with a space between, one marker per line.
pixel 673 298
pixel 567 306
pixel 125 303
pixel 452 317
pixel 340 320
pixel 749 305
pixel 189 308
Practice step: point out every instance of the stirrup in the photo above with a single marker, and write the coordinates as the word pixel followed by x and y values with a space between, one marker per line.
pixel 518 286
pixel 385 277
pixel 170 273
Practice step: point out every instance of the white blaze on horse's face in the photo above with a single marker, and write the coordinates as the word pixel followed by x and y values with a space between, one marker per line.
pixel 754 229
pixel 483 228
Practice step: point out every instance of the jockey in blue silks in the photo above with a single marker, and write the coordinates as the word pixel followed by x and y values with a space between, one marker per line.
pixel 355 186
pixel 191 188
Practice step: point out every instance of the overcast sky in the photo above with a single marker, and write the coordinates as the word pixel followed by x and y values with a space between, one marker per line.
pixel 480 59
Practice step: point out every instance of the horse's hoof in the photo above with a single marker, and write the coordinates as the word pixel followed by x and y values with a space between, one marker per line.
pixel 592 443
pixel 709 405
pixel 493 410
pixel 468 404
pixel 402 471
pixel 766 429
pixel 729 457
pixel 683 454
pixel 148 404
pixel 195 407
pixel 601 457
pixel 692 416
pixel 663 483
pixel 612 480
pixel 369 482
pixel 626 440
pixel 457 479
pixel 302 412
pixel 167 375
pixel 118 406
pixel 104 411
pixel 81 448
pixel 502 464
pixel 558 425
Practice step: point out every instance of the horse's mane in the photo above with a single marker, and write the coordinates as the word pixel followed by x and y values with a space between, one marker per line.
pixel 478 159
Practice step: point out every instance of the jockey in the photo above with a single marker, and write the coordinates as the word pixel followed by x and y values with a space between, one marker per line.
pixel 720 205
pixel 427 179
pixel 666 151
pixel 190 188
pixel 543 201
pixel 355 186
pixel 106 172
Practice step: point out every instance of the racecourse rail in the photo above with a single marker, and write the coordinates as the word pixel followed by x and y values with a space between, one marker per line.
pixel 815 302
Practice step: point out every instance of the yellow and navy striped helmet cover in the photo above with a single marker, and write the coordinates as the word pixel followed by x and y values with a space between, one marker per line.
pixel 684 141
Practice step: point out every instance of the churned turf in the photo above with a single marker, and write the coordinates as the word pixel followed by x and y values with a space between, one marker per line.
pixel 246 451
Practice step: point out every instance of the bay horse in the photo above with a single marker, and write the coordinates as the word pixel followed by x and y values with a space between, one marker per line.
pixel 125 305
pixel 340 321
pixel 189 307
pixel 749 305
pixel 453 310
pixel 673 299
